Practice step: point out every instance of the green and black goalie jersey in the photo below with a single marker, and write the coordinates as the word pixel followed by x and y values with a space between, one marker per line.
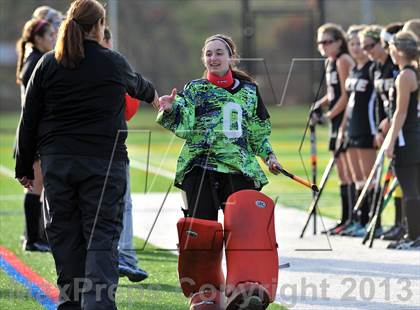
pixel 224 129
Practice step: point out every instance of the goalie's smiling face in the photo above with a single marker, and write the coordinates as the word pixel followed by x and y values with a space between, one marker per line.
pixel 216 57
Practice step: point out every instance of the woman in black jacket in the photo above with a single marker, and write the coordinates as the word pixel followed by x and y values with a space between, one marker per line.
pixel 38 37
pixel 74 116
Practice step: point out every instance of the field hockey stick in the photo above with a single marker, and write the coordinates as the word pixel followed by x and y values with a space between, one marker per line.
pixel 387 199
pixel 391 190
pixel 314 168
pixel 311 125
pixel 322 185
pixel 297 179
pixel 380 203
pixel 315 200
pixel 376 190
pixel 376 208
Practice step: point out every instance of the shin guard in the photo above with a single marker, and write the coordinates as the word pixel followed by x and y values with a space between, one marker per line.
pixel 200 256
pixel 251 249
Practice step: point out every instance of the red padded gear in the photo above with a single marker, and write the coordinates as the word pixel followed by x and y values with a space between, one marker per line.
pixel 200 255
pixel 251 248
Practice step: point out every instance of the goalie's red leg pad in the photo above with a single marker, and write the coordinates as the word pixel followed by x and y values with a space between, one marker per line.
pixel 200 255
pixel 251 248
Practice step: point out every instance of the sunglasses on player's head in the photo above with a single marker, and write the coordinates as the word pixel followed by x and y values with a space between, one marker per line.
pixel 325 42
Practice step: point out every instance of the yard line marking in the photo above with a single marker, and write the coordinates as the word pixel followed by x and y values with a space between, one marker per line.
pixel 153 169
pixel 11 197
pixel 40 289
pixel 7 172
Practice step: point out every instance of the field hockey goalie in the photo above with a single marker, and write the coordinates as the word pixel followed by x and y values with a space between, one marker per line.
pixel 251 255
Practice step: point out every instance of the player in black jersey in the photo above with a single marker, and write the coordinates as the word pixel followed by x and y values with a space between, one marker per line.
pixel 332 44
pixel 359 124
pixel 384 73
pixel 374 39
pixel 38 37
pixel 398 230
pixel 403 140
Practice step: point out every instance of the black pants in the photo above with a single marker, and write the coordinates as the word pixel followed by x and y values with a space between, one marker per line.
pixel 85 203
pixel 207 191
pixel 409 179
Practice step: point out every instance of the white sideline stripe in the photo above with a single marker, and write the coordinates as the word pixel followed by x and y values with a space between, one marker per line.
pixel 156 170
pixel 11 197
pixel 7 172
pixel 133 163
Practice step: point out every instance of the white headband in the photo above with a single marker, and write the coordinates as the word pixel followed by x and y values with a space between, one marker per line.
pixel 386 36
pixel 224 41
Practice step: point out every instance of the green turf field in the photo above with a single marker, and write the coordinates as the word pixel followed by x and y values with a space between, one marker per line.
pixel 161 290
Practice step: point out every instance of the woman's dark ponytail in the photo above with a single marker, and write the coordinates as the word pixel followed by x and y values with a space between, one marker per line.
pixel 81 17
pixel 32 28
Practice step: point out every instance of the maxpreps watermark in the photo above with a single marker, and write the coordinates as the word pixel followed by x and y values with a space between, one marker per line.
pixel 365 289
pixel 349 289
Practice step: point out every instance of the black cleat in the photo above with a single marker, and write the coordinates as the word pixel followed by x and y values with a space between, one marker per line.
pixel 252 303
pixel 249 296
pixel 394 234
pixel 134 274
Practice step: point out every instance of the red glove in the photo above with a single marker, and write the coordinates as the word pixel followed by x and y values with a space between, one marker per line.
pixel 131 106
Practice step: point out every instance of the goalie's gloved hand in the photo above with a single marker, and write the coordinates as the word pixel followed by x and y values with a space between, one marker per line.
pixel 273 165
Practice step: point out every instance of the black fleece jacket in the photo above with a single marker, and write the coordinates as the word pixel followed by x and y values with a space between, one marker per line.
pixel 78 111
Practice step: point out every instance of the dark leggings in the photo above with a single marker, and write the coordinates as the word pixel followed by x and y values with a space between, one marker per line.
pixel 409 179
pixel 207 191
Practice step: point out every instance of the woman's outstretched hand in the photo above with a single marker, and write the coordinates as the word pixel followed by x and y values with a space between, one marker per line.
pixel 165 102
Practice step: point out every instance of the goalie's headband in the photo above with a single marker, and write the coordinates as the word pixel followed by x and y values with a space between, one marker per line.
pixel 219 38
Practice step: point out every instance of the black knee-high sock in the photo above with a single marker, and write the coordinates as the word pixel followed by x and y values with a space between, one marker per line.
pixel 398 211
pixel 32 208
pixel 412 209
pixel 345 194
pixel 352 199
pixel 365 207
